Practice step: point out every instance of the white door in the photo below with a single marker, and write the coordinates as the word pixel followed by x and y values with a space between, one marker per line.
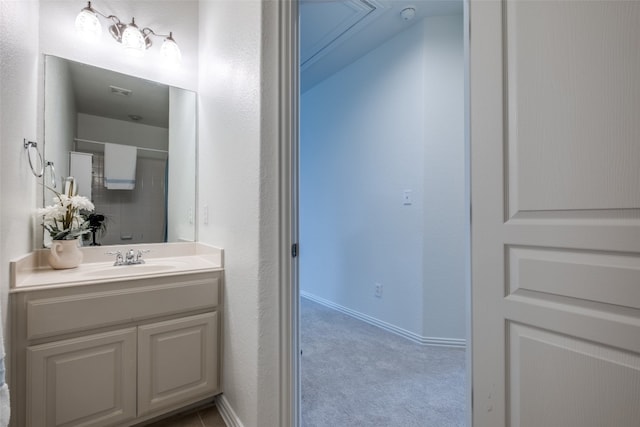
pixel 555 159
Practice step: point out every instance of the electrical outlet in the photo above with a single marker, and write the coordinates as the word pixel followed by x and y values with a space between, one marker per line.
pixel 378 291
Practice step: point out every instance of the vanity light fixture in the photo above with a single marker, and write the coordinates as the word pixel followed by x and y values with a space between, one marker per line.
pixel 134 40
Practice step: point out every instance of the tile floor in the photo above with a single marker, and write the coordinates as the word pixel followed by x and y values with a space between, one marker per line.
pixel 203 417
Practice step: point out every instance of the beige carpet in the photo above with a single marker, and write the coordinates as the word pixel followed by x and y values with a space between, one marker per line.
pixel 356 374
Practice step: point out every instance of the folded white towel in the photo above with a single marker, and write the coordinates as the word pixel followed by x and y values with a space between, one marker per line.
pixel 120 166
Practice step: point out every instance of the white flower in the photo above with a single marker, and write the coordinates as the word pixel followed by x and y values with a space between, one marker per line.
pixel 62 199
pixel 82 203
pixel 63 219
pixel 51 212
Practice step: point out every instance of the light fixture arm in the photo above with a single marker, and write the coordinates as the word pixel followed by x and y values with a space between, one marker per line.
pixel 117 28
pixel 147 32
pixel 114 18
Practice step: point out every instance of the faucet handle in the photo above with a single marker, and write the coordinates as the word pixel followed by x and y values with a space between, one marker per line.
pixel 139 255
pixel 118 255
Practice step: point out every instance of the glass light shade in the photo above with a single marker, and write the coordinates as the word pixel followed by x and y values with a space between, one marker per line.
pixel 171 52
pixel 133 40
pixel 87 24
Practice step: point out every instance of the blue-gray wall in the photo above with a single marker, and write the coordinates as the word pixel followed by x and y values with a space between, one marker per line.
pixel 391 121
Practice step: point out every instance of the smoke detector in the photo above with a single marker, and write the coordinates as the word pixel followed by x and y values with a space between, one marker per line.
pixel 408 13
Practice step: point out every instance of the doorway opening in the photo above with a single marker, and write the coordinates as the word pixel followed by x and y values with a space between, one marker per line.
pixel 383 214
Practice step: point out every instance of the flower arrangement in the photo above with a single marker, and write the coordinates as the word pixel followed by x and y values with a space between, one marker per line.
pixel 65 219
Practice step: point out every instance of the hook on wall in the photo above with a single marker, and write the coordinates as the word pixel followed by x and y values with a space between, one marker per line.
pixel 33 154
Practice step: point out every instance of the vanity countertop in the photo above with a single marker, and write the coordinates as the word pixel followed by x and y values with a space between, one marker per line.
pixel 32 272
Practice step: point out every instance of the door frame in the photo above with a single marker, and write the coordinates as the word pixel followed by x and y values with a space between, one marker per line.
pixel 288 142
pixel 288 171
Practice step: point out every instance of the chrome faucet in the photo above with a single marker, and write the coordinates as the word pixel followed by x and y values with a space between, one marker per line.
pixel 129 258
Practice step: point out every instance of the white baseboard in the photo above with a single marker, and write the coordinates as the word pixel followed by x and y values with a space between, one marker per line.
pixel 227 413
pixel 443 342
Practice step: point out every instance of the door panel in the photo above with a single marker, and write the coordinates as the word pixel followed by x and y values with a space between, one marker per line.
pixel 555 162
pixel 177 362
pixel 576 274
pixel 575 372
pixel 571 129
pixel 86 381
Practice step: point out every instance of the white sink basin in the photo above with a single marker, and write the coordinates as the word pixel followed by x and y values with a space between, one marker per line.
pixel 127 270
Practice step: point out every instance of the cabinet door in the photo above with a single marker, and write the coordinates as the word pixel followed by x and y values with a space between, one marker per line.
pixel 177 362
pixel 86 381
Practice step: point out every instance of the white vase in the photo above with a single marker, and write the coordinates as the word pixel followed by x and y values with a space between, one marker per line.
pixel 65 254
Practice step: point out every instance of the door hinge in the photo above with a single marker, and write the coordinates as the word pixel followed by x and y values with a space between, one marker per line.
pixel 294 250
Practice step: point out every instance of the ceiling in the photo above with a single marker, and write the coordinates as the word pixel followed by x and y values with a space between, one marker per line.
pixel 93 94
pixel 334 33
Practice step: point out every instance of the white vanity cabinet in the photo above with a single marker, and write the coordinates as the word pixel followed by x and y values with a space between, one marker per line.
pixel 115 353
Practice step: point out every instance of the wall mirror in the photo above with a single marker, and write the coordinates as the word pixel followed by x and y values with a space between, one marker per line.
pixel 146 132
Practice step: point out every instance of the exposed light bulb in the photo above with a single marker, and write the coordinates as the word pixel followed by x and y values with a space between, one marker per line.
pixel 87 24
pixel 133 40
pixel 170 51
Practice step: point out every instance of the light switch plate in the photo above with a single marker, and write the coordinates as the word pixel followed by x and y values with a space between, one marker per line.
pixel 407 197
